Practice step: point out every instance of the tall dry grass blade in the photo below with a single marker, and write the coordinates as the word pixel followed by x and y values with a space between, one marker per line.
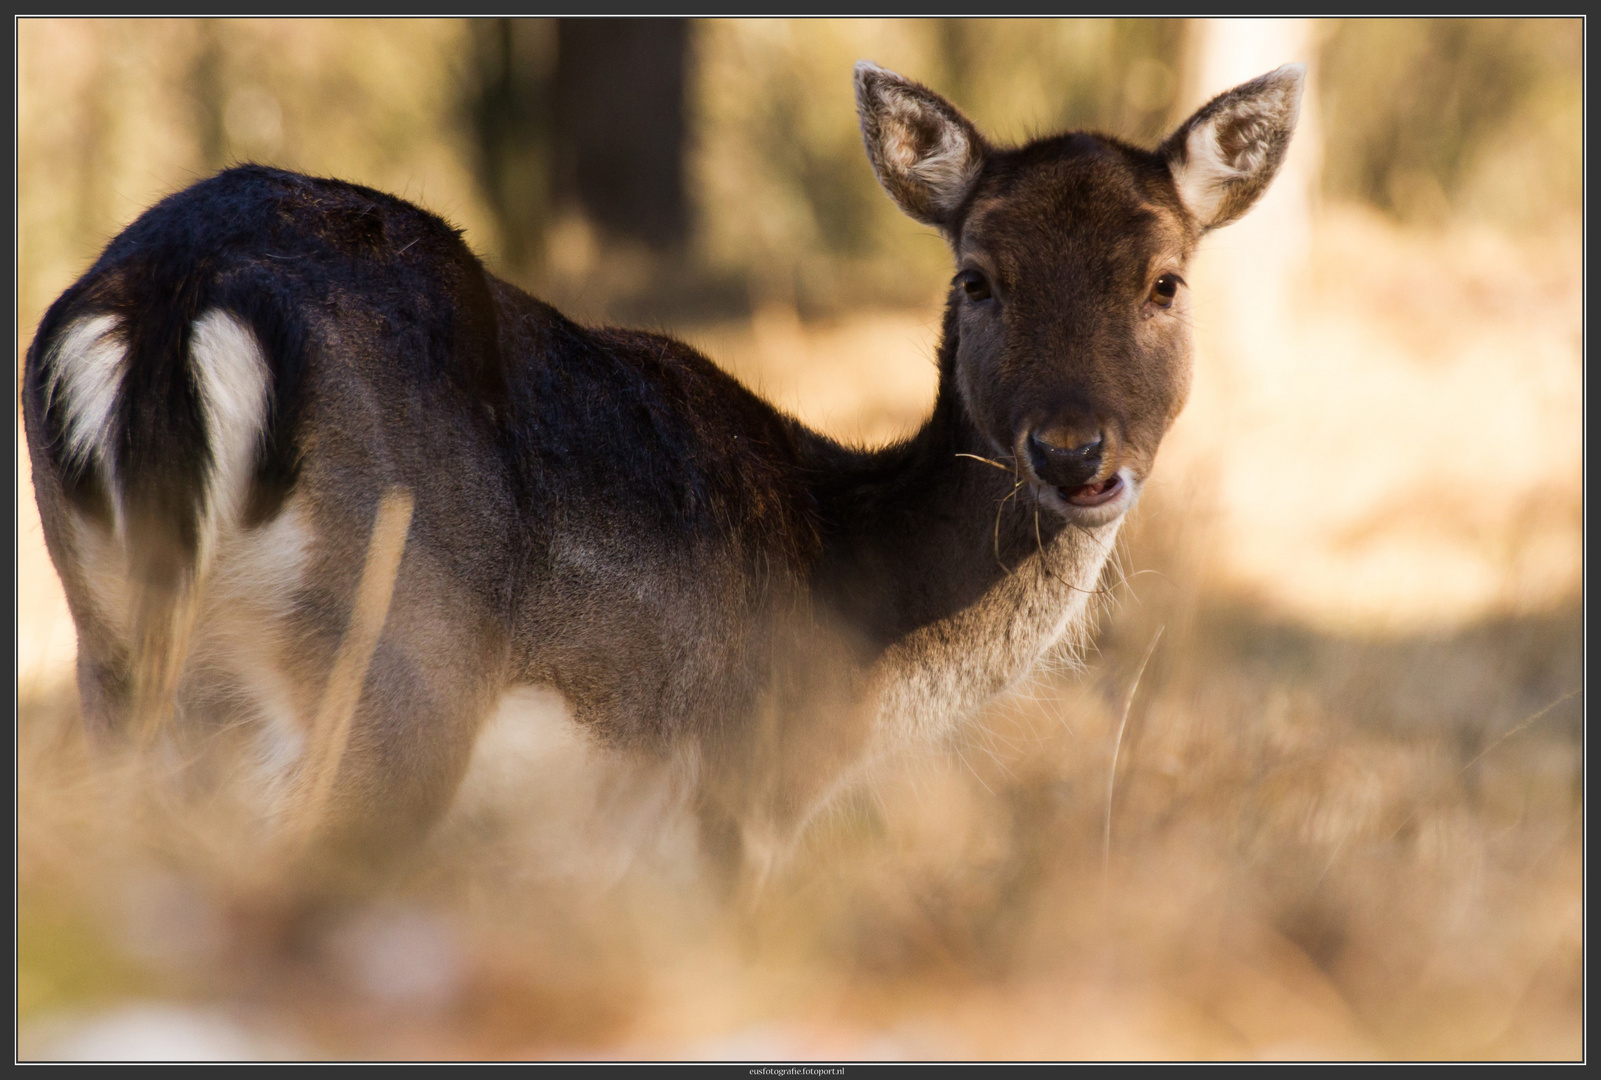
pixel 1515 728
pixel 998 511
pixel 1111 778
pixel 330 735
pixel 1505 735
pixel 987 461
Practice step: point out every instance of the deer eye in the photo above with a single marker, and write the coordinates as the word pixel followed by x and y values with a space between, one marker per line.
pixel 975 284
pixel 1165 289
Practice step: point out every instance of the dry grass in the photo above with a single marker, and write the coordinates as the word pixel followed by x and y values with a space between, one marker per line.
pixel 1346 818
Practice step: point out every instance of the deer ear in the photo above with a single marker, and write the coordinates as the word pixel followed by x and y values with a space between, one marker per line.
pixel 926 154
pixel 1224 156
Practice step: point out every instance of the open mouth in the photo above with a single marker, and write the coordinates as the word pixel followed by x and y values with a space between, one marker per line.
pixel 1093 494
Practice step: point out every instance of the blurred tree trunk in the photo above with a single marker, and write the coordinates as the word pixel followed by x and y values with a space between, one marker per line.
pixel 585 115
pixel 512 118
pixel 620 125
pixel 1255 265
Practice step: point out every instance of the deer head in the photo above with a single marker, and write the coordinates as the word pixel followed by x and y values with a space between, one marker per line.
pixel 1071 308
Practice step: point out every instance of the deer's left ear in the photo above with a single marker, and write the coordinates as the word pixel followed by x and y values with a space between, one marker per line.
pixel 1224 156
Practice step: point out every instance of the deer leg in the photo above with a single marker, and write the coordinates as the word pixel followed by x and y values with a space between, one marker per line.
pixel 765 787
pixel 103 681
pixel 416 671
pixel 421 706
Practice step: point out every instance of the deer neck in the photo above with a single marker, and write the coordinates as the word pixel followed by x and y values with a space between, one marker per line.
pixel 934 535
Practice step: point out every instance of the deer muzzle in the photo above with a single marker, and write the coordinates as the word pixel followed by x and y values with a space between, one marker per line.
pixel 1075 461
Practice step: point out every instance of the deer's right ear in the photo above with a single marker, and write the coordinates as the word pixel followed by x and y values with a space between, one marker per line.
pixel 926 154
pixel 1223 158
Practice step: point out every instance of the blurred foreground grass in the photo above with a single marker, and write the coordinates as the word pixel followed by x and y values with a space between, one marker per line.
pixel 1345 820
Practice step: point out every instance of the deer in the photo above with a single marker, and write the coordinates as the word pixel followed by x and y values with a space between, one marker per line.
pixel 297 451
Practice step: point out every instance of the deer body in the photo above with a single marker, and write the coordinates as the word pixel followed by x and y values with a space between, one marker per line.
pixel 217 409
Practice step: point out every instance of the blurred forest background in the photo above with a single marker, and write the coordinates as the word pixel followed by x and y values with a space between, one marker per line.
pixel 697 168
pixel 1348 794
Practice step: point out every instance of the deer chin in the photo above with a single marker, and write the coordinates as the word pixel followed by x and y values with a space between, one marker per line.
pixel 1090 505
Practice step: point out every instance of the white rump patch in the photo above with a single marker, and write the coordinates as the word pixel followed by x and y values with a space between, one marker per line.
pixel 87 366
pixel 232 376
pixel 268 562
pixel 86 369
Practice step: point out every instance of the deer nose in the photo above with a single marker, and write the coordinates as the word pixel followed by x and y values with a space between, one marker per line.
pixel 1066 455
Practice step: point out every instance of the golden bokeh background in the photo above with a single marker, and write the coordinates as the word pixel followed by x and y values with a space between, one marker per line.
pixel 1348 790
